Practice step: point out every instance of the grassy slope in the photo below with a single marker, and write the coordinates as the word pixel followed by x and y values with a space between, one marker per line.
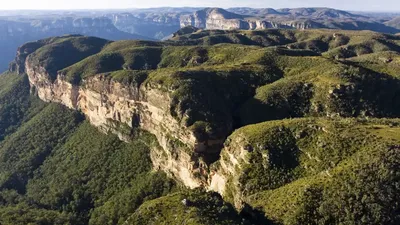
pixel 61 52
pixel 16 105
pixel 228 59
pixel 229 79
pixel 200 209
pixel 322 170
pixel 359 189
pixel 57 170
pixel 97 171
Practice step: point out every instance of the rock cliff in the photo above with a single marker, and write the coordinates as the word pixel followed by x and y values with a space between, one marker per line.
pixel 301 18
pixel 216 18
pixel 191 98
pixel 111 105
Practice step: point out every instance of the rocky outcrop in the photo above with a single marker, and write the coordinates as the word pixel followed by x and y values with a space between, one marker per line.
pixel 224 177
pixel 301 18
pixel 110 105
pixel 215 18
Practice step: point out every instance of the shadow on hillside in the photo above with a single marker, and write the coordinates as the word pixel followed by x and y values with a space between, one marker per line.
pixel 255 216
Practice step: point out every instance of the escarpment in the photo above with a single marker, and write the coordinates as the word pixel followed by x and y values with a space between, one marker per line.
pixel 215 18
pixel 268 156
pixel 236 112
pixel 110 105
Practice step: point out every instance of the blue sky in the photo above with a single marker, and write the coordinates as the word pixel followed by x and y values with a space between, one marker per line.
pixel 365 5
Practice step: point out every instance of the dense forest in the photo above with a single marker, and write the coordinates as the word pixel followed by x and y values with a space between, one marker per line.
pixel 309 123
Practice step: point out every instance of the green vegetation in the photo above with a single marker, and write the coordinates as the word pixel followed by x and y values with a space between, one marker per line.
pixel 314 116
pixel 305 164
pixel 227 78
pixel 16 106
pixel 56 169
pixel 129 77
pixel 359 190
pixel 190 207
pixel 141 58
pixel 93 170
pixel 25 150
pixel 65 51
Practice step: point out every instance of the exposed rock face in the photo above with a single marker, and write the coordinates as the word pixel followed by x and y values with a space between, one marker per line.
pixel 108 104
pixel 301 18
pixel 215 18
pixel 225 179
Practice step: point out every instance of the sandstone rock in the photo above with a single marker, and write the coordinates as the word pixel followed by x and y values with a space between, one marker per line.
pixel 106 102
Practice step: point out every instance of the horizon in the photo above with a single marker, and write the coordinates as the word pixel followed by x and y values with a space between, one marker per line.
pixel 99 5
pixel 182 7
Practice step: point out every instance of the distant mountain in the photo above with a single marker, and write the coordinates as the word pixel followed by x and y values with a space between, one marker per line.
pixel 156 25
pixel 394 23
pixel 254 12
pixel 296 12
pixel 314 13
pixel 18 27
pixel 14 33
pixel 214 18
pixel 299 18
pixel 275 126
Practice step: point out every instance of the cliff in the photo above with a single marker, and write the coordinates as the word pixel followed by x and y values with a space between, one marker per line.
pixel 111 105
pixel 216 18
pixel 116 106
pixel 298 18
pixel 256 157
pixel 191 98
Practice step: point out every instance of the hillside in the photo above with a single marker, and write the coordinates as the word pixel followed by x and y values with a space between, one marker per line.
pixel 19 27
pixel 15 32
pixel 296 18
pixel 58 169
pixel 395 22
pixel 280 126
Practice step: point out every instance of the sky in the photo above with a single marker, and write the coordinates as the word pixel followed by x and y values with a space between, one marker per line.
pixel 355 5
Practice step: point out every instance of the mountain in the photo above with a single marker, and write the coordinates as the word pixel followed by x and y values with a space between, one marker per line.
pixel 14 33
pixel 276 126
pixel 326 13
pixel 395 22
pixel 156 25
pixel 298 18
pixel 58 169
pixel 161 23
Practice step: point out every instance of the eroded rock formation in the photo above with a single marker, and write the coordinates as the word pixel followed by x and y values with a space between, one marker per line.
pixel 109 104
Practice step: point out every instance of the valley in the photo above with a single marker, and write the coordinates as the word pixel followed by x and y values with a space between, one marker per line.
pixel 19 27
pixel 269 126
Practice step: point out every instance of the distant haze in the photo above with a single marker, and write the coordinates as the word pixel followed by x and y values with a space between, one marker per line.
pixel 358 5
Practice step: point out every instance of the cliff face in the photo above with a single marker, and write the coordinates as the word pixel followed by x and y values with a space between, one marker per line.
pixel 191 104
pixel 225 179
pixel 215 18
pixel 111 105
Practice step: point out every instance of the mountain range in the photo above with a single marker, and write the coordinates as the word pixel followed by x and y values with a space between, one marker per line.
pixel 271 126
pixel 18 27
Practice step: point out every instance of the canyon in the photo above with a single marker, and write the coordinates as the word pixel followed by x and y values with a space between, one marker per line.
pixel 18 27
pixel 163 89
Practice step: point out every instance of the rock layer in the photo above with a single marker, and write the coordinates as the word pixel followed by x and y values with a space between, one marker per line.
pixel 215 18
pixel 111 105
